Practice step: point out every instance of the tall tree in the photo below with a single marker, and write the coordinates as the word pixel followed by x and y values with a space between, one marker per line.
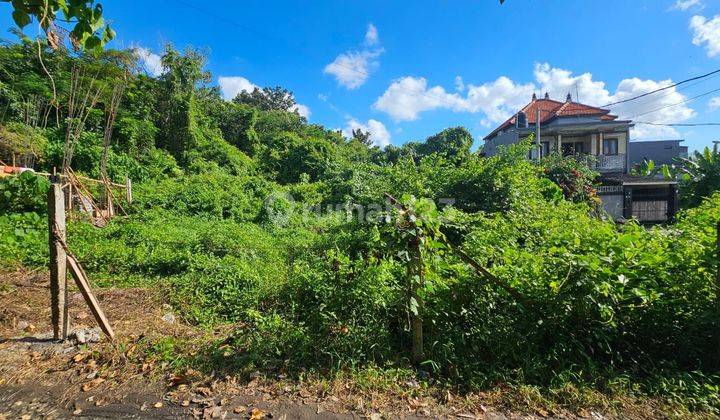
pixel 267 99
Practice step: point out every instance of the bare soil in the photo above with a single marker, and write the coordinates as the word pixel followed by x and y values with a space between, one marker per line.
pixel 41 378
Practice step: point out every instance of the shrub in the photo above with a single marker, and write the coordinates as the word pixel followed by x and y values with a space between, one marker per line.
pixel 24 193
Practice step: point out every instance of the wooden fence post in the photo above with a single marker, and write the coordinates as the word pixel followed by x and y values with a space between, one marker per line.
pixel 58 260
pixel 128 190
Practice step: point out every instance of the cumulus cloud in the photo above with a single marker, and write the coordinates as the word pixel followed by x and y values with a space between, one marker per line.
pixel 378 133
pixel 459 84
pixel 706 32
pixel 714 103
pixel 151 61
pixel 406 98
pixel 231 86
pixel 303 110
pixel 685 5
pixel 371 35
pixel 351 69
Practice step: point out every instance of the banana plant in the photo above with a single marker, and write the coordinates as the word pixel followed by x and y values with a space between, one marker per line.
pixel 699 175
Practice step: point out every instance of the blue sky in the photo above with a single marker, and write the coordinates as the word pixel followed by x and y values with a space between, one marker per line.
pixel 406 70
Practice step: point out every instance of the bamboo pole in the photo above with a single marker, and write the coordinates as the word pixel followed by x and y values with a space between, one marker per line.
pixel 58 259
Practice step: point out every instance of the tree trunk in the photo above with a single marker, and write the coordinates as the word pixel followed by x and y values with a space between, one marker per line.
pixel 417 278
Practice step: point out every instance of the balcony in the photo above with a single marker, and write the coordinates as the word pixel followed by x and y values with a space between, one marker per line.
pixel 610 163
pixel 604 163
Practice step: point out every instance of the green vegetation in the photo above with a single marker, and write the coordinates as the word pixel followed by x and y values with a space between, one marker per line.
pixel 574 302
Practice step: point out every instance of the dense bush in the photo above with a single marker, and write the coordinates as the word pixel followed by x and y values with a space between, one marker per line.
pixel 239 218
pixel 26 192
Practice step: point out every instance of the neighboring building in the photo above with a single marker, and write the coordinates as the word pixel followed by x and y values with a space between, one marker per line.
pixel 594 134
pixel 662 152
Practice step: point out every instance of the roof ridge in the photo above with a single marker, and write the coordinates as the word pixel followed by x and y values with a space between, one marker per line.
pixel 562 108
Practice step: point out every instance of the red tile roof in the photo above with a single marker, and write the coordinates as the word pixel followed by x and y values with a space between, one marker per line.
pixel 550 109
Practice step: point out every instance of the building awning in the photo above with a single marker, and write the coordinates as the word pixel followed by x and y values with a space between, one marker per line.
pixel 633 180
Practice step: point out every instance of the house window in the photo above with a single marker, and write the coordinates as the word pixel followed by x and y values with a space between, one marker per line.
pixel 569 149
pixel 610 146
pixel 545 148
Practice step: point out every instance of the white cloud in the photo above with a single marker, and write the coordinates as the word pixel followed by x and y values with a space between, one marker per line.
pixel 459 84
pixel 303 110
pixel 351 69
pixel 231 86
pixel 684 5
pixel 406 98
pixel 714 103
pixel 378 133
pixel 151 61
pixel 371 35
pixel 706 32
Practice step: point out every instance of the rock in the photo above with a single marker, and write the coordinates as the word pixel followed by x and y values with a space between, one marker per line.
pixel 169 318
pixel 87 335
pixel 21 325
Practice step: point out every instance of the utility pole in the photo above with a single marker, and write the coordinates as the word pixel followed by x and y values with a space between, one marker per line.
pixel 537 134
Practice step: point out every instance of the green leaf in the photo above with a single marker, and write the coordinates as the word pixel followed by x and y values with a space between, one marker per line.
pixel 414 306
pixel 93 42
pixel 21 18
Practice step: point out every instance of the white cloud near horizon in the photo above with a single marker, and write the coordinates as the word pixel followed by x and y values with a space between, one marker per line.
pixel 303 110
pixel 379 135
pixel 406 98
pixel 151 61
pixel 231 86
pixel 706 33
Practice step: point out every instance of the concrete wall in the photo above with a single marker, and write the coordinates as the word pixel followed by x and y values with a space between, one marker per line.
pixel 661 152
pixel 505 139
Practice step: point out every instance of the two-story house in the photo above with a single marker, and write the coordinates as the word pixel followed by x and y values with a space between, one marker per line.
pixel 599 138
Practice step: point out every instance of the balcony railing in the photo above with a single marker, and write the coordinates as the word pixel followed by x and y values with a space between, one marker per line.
pixel 608 163
pixel 604 163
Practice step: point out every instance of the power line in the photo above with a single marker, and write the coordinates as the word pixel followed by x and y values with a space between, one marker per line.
pixel 636 106
pixel 662 88
pixel 360 72
pixel 676 104
pixel 709 124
